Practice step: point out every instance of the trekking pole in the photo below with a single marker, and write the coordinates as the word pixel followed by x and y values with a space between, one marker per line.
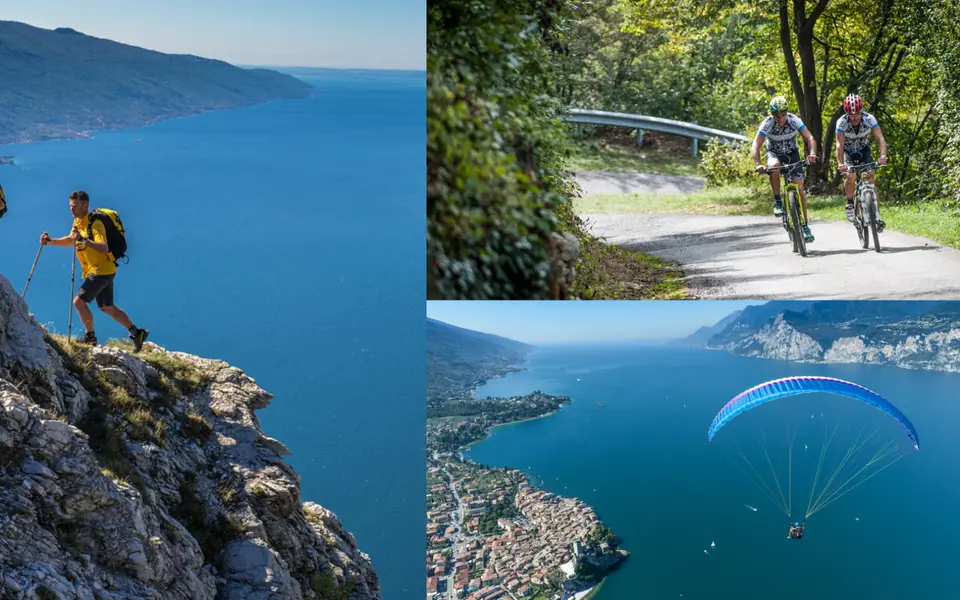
pixel 24 294
pixel 73 270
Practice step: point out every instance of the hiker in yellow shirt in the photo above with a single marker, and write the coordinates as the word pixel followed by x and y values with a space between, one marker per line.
pixel 97 268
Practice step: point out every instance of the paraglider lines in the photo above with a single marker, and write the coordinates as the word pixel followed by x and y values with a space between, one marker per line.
pixel 762 485
pixel 826 496
pixel 816 477
pixel 884 452
pixel 763 444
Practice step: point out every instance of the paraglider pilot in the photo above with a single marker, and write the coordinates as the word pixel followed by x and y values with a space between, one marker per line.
pixel 796 531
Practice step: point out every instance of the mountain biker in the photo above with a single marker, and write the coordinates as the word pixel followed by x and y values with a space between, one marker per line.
pixel 853 148
pixel 779 131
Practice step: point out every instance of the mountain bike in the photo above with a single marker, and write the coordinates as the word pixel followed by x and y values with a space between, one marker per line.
pixel 791 217
pixel 865 207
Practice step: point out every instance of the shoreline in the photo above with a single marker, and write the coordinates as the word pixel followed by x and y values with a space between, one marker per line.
pixel 89 134
pixel 465 447
pixel 461 452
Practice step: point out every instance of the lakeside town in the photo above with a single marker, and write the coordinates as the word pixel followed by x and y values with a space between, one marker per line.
pixel 491 535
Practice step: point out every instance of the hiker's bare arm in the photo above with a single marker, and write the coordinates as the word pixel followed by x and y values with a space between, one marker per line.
pixel 100 247
pixel 61 241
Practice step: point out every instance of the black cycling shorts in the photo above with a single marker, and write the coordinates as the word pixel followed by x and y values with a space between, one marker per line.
pixel 859 157
pixel 794 173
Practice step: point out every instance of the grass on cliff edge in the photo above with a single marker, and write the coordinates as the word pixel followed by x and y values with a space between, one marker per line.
pixel 182 374
pixel 122 414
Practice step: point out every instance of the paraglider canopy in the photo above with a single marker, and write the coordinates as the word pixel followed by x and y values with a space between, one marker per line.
pixel 851 470
pixel 789 386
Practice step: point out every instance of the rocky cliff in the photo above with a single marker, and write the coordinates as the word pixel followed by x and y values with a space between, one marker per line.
pixel 147 476
pixel 909 335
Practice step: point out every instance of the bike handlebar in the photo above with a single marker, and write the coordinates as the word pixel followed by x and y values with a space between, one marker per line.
pixel 864 167
pixel 768 170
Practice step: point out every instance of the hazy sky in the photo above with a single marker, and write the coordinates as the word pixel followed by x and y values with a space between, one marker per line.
pixel 559 321
pixel 385 34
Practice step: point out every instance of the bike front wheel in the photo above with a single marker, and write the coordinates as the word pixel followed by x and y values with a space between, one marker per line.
pixel 800 244
pixel 860 223
pixel 873 224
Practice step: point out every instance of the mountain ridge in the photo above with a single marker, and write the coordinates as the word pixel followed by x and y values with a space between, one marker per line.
pixel 901 333
pixel 458 359
pixel 69 84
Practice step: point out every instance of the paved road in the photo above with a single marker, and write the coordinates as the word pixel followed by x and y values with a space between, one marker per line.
pixel 632 182
pixel 733 257
pixel 746 257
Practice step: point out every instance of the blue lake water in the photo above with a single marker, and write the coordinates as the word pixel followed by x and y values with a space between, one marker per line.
pixel 644 463
pixel 287 240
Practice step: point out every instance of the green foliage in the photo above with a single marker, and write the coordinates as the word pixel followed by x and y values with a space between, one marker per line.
pixel 601 534
pixel 326 588
pixel 495 189
pixel 195 426
pixel 938 27
pixel 718 64
pixel 487 522
pixel 178 372
pixel 457 358
pixel 212 534
pixel 731 165
pixel 106 440
pixel 45 593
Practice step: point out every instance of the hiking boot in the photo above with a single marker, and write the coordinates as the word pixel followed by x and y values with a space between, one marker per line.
pixel 89 338
pixel 807 236
pixel 880 225
pixel 778 207
pixel 139 338
pixel 850 211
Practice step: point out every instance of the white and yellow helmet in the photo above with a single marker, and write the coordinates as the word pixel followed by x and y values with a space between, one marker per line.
pixel 778 104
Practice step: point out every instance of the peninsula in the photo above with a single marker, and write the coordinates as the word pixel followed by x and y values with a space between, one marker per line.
pixel 491 535
pixel 63 84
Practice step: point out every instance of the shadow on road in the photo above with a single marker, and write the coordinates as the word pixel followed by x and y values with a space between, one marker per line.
pixel 730 240
pixel 896 249
pixel 813 253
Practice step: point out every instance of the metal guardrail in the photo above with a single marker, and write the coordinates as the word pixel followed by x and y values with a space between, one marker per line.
pixel 642 122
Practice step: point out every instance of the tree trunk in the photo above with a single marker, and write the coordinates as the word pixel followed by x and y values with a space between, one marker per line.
pixel 829 150
pixel 808 100
pixel 787 46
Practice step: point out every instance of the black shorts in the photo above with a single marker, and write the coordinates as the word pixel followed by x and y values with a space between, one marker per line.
pixel 860 157
pixel 99 287
pixel 793 173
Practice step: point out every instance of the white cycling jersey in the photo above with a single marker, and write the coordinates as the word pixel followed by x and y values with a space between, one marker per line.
pixel 781 140
pixel 856 138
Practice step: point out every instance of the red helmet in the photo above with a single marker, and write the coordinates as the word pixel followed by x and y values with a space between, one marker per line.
pixel 852 104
